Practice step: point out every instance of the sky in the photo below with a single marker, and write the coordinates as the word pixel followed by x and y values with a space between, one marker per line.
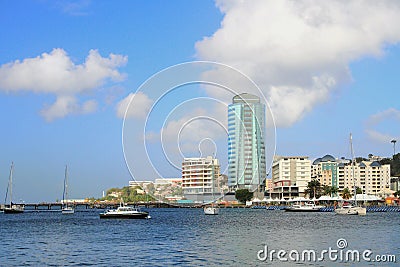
pixel 121 90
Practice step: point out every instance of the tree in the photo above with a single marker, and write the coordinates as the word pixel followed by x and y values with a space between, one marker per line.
pixel 394 164
pixel 329 190
pixel 346 193
pixel 358 190
pixel 243 195
pixel 314 189
pixel 360 159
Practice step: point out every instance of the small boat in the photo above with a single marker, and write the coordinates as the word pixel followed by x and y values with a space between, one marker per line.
pixel 12 208
pixel 307 207
pixel 211 210
pixel 125 212
pixel 347 210
pixel 65 208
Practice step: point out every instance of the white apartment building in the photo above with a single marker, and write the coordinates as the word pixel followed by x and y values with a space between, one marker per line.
pixel 199 176
pixel 369 175
pixel 290 176
pixel 372 177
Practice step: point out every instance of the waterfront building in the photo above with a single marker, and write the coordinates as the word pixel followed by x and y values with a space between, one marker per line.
pixel 200 178
pixel 325 170
pixel 369 175
pixel 246 145
pixel 290 176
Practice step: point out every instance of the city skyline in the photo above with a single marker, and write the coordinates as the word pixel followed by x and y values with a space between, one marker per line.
pixel 69 68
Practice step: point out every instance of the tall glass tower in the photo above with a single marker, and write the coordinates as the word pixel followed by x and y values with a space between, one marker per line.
pixel 246 146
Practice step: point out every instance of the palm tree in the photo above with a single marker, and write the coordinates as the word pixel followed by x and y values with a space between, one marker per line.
pixel 313 189
pixel 329 190
pixel 346 193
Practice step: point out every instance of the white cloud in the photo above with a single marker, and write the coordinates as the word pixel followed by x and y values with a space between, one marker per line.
pixel 390 117
pixel 66 105
pixel 73 8
pixel 57 74
pixel 299 51
pixel 139 106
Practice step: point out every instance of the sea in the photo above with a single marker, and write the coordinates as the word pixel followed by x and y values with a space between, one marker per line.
pixel 187 237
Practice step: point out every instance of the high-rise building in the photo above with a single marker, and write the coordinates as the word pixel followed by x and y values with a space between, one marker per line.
pixel 246 146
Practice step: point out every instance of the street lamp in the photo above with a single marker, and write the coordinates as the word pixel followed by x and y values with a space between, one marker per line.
pixel 394 146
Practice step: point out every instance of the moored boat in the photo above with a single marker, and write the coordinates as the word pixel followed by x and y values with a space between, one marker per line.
pixel 346 210
pixel 211 210
pixel 125 212
pixel 12 208
pixel 350 209
pixel 307 207
pixel 66 209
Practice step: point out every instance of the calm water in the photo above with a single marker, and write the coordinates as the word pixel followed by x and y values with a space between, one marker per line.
pixel 186 237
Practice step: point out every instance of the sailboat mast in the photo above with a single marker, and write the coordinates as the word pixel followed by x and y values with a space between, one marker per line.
pixel 212 178
pixel 65 193
pixel 10 181
pixel 352 168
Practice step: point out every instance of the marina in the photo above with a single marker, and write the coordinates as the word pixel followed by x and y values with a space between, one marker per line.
pixel 176 237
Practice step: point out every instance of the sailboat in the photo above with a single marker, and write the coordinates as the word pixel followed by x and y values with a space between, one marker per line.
pixel 65 208
pixel 350 209
pixel 12 208
pixel 212 210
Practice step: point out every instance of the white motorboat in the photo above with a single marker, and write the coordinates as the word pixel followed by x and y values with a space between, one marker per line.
pixel 125 212
pixel 307 207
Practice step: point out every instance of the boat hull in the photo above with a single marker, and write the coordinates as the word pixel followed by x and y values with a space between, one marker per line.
pixel 142 215
pixel 302 209
pixel 13 210
pixel 68 211
pixel 351 211
pixel 211 211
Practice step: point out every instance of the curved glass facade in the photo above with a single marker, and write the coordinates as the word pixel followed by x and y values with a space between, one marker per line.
pixel 246 146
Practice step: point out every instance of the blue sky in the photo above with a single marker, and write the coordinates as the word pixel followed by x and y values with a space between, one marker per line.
pixel 66 68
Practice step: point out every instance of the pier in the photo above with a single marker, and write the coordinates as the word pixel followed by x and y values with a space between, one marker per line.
pixel 88 205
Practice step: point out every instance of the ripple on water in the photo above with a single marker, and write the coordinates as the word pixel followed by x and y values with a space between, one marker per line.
pixel 185 237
